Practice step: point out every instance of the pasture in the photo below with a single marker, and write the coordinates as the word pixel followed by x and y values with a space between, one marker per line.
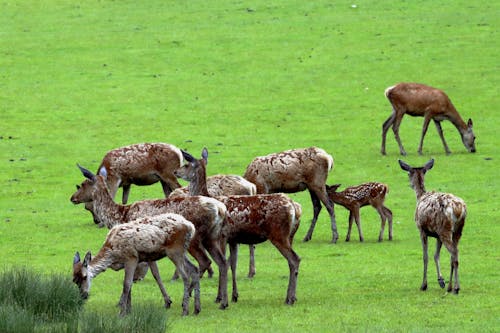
pixel 246 79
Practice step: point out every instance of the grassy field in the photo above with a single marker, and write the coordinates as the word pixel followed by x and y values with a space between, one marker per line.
pixel 246 79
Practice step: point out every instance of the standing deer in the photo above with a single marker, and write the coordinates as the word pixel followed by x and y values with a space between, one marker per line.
pixel 219 185
pixel 439 215
pixel 206 214
pixel 251 219
pixel 419 100
pixel 355 197
pixel 142 164
pixel 147 239
pixel 294 171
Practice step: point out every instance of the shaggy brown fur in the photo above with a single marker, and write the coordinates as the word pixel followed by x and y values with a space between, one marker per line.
pixel 439 215
pixel 294 171
pixel 143 240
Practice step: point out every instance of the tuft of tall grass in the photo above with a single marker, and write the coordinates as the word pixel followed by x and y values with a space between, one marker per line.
pixel 144 318
pixel 15 319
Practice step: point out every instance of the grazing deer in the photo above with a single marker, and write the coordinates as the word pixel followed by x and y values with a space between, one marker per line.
pixel 439 215
pixel 294 171
pixel 251 219
pixel 419 100
pixel 147 239
pixel 142 164
pixel 355 197
pixel 206 214
pixel 219 185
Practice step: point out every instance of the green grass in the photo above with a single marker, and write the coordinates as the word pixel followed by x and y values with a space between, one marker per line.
pixel 246 79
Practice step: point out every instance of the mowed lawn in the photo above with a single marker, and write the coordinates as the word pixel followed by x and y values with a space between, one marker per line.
pixel 246 79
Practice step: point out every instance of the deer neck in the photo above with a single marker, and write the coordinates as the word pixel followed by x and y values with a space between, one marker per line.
pixel 458 122
pixel 99 263
pixel 106 210
pixel 198 185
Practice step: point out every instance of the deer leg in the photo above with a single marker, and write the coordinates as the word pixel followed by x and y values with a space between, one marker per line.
pixel 441 135
pixel 141 271
pixel 383 218
pixel 358 224
pixel 126 192
pixel 427 120
pixel 233 261
pixel 218 255
pixel 293 264
pixel 316 208
pixel 385 128
pixel 177 257
pixel 388 215
pixel 126 297
pixel 195 283
pixel 323 197
pixel 351 219
pixel 251 268
pixel 424 240
pixel 438 265
pixel 156 274
pixel 197 250
pixel 453 249
pixel 395 129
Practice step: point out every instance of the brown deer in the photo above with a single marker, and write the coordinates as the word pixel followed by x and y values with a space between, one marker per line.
pixel 439 215
pixel 294 171
pixel 147 239
pixel 219 185
pixel 251 219
pixel 142 164
pixel 355 197
pixel 419 100
pixel 206 214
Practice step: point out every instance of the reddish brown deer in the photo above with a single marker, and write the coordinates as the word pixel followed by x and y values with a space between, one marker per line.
pixel 439 215
pixel 219 185
pixel 294 171
pixel 355 197
pixel 206 214
pixel 251 219
pixel 142 164
pixel 419 100
pixel 147 239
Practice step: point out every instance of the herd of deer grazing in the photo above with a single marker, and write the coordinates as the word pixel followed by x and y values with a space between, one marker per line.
pixel 211 213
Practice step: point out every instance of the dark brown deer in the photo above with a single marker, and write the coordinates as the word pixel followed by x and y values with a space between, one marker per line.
pixel 218 185
pixel 294 171
pixel 439 215
pixel 419 100
pixel 206 214
pixel 147 239
pixel 142 164
pixel 251 219
pixel 355 197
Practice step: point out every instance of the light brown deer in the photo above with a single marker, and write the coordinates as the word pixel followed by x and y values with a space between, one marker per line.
pixel 419 100
pixel 439 215
pixel 355 197
pixel 147 239
pixel 218 185
pixel 205 213
pixel 293 171
pixel 251 219
pixel 142 164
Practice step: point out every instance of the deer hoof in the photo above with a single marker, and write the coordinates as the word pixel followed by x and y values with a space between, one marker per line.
pixel 441 282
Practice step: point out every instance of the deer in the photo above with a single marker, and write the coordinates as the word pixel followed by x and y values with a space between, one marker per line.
pixel 218 185
pixel 142 164
pixel 146 239
pixel 293 171
pixel 355 197
pixel 251 219
pixel 419 100
pixel 207 215
pixel 439 215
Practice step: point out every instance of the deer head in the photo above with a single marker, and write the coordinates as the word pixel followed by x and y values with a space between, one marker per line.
pixel 80 274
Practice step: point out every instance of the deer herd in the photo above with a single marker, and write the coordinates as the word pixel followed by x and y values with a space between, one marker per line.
pixel 220 211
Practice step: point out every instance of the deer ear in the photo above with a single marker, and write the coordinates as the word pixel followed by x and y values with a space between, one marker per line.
pixel 103 172
pixel 404 166
pixel 87 259
pixel 187 156
pixel 469 123
pixel 76 258
pixel 86 173
pixel 429 165
pixel 204 155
